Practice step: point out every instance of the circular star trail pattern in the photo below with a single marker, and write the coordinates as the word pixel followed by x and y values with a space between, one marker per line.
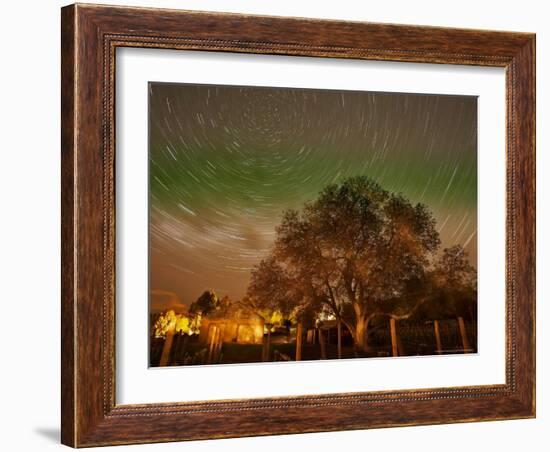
pixel 226 161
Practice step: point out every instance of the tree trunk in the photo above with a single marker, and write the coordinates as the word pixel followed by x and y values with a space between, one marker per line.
pixel 394 340
pixel 299 342
pixel 361 334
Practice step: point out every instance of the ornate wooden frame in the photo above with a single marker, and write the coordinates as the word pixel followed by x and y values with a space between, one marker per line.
pixel 90 35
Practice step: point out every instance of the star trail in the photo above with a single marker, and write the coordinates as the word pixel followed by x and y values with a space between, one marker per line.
pixel 225 162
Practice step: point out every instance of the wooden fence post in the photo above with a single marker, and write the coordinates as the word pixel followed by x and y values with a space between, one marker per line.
pixel 299 341
pixel 393 329
pixel 339 339
pixel 267 353
pixel 437 334
pixel 185 342
pixel 211 331
pixel 463 335
pixel 219 343
pixel 212 344
pixel 267 344
pixel 322 344
pixel 237 332
pixel 167 348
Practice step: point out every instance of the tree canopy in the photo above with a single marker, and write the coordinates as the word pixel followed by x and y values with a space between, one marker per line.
pixel 358 251
pixel 454 288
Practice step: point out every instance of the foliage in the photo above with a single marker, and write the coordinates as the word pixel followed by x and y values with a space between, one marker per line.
pixel 205 304
pixel 273 293
pixel 358 251
pixel 177 323
pixel 454 289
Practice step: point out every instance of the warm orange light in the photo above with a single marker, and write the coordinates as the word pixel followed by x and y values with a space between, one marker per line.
pixel 177 323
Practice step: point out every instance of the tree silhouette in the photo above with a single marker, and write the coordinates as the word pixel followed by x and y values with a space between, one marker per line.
pixel 453 289
pixel 205 304
pixel 358 250
pixel 272 288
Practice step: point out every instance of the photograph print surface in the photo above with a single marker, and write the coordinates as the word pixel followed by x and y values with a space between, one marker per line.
pixel 292 224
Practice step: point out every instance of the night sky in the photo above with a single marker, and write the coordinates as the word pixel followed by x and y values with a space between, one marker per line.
pixel 226 161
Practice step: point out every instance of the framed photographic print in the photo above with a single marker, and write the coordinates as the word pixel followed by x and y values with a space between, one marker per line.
pixel 280 225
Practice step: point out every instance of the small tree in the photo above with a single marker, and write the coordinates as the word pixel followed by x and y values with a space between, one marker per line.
pixel 174 323
pixel 272 289
pixel 205 304
pixel 454 287
pixel 165 323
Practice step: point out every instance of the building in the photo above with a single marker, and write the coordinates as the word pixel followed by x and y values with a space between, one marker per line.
pixel 238 327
